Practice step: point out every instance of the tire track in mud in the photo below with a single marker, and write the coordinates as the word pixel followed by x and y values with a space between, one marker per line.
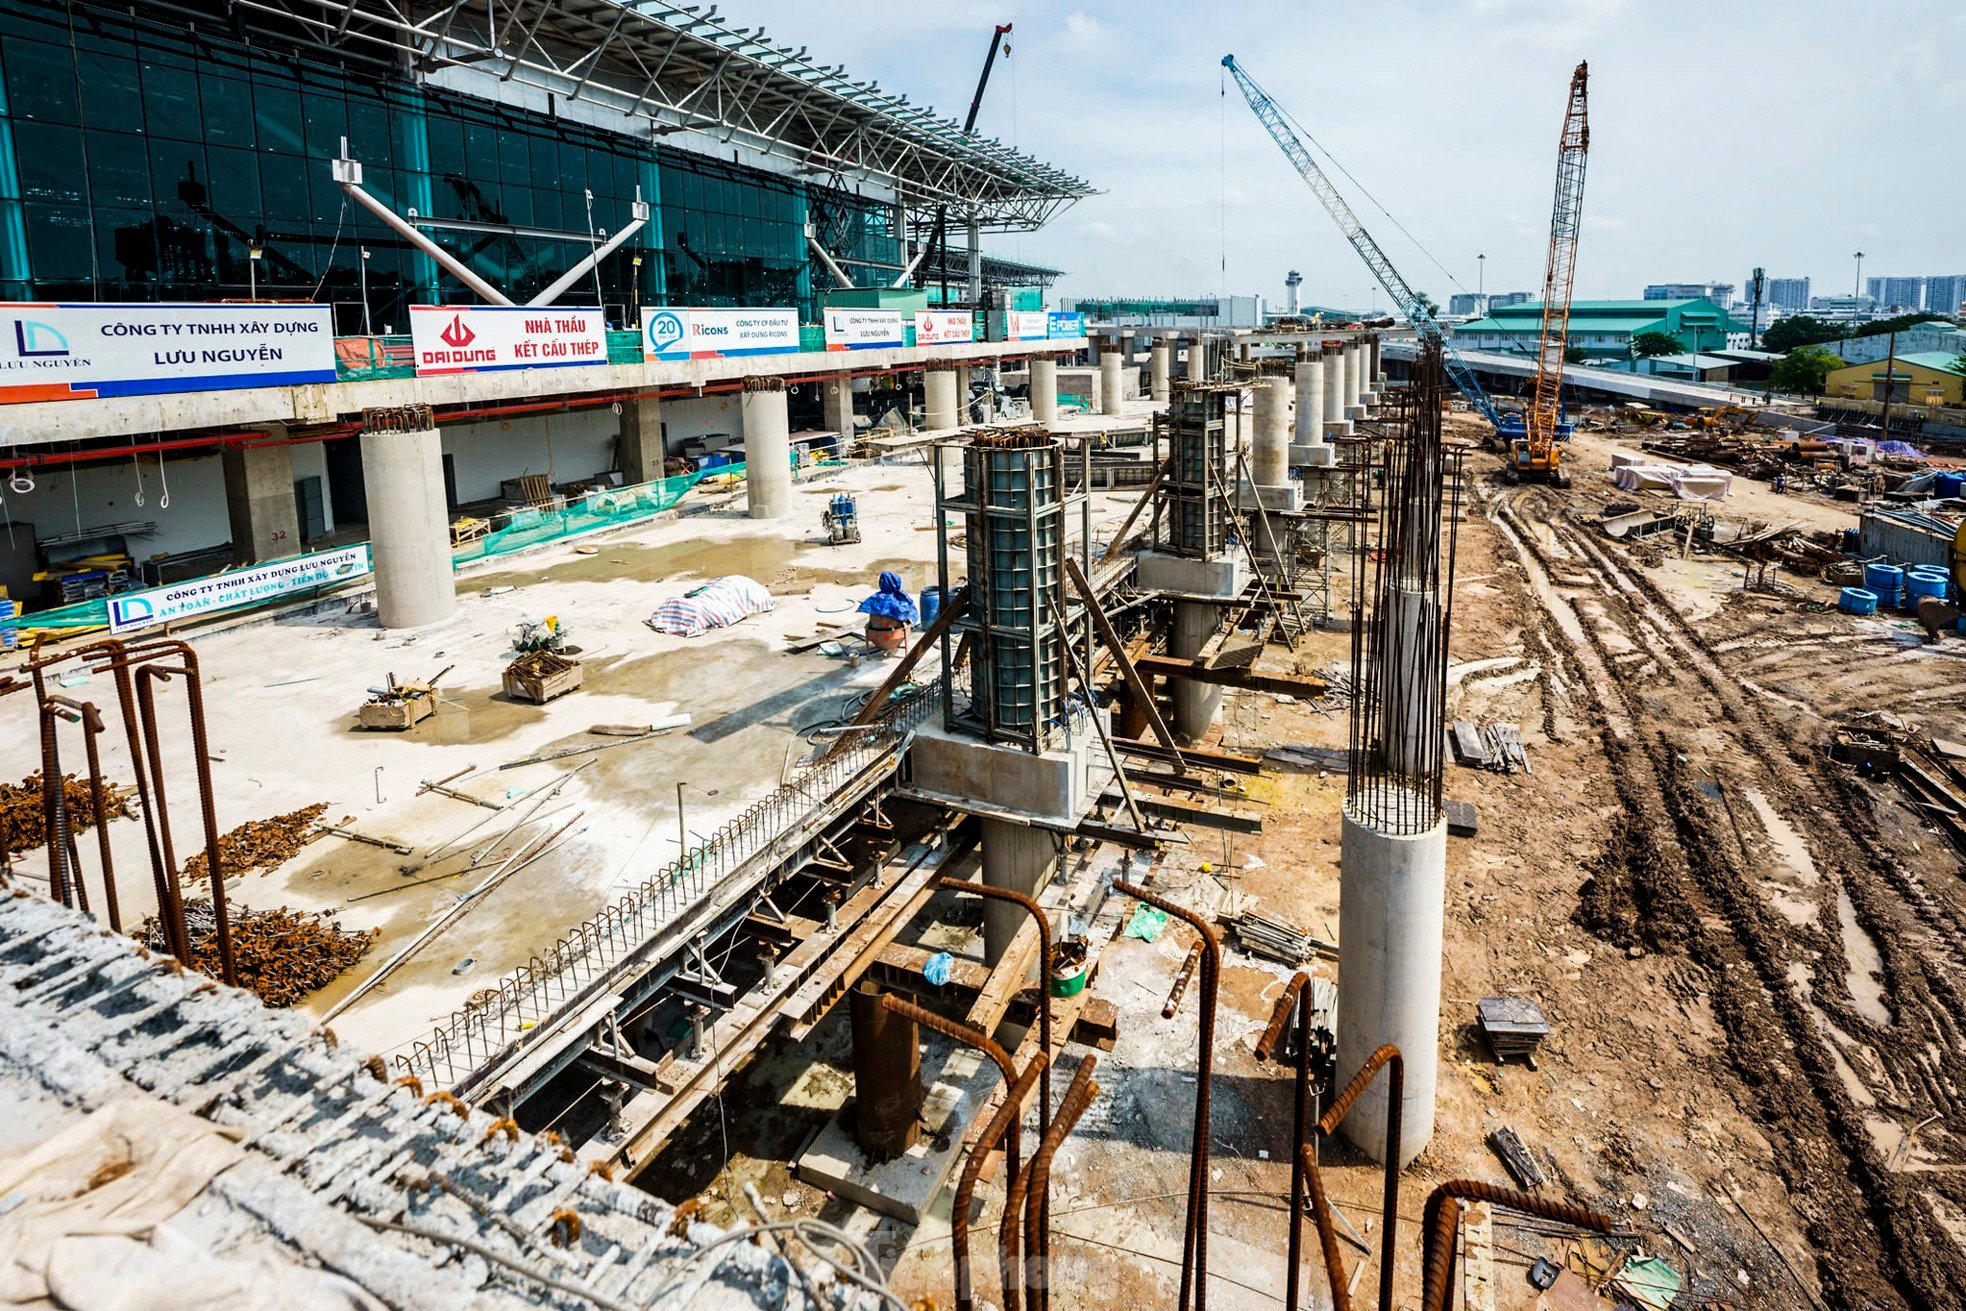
pixel 1667 878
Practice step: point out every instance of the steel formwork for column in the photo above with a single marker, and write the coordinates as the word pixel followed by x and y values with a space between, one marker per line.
pixel 1190 518
pixel 1014 502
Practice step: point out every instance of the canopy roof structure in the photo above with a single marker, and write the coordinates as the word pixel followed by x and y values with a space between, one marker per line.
pixel 671 68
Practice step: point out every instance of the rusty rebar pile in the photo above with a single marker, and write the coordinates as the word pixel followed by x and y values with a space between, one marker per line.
pixel 260 843
pixel 281 954
pixel 23 818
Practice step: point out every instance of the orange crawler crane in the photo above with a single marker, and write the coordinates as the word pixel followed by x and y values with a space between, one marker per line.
pixel 1535 457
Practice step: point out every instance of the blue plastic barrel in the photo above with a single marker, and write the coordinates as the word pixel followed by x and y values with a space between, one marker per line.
pixel 1856 601
pixel 1948 483
pixel 931 604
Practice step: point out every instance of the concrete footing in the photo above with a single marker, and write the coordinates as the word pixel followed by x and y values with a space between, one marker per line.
pixel 1392 891
pixel 767 449
pixel 409 530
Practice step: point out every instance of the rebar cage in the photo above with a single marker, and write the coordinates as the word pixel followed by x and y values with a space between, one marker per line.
pixel 1399 649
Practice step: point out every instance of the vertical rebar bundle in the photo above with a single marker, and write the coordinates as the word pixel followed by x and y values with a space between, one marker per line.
pixel 1399 648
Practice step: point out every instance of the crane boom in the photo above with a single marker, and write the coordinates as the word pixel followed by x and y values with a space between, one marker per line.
pixel 1410 304
pixel 1558 272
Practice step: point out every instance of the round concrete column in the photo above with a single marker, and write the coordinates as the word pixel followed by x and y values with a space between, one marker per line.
pixel 1354 382
pixel 1335 422
pixel 1392 891
pixel 1195 704
pixel 1198 359
pixel 1269 454
pixel 1044 388
pixel 939 399
pixel 1021 859
pixel 1310 401
pixel 1110 361
pixel 962 396
pixel 409 529
pixel 767 449
pixel 1377 380
pixel 1157 368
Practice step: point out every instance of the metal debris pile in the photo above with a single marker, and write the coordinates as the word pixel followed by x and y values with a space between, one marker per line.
pixel 24 821
pixel 1263 936
pixel 261 843
pixel 281 954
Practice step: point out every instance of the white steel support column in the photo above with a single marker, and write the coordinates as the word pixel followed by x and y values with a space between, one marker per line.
pixel 1044 388
pixel 767 449
pixel 939 399
pixel 1392 892
pixel 1018 858
pixel 409 529
pixel 1335 422
pixel 1195 704
pixel 1158 371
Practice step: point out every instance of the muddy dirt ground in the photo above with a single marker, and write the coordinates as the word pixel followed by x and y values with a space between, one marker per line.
pixel 1750 956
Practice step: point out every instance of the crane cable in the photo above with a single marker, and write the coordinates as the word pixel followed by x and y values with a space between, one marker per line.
pixel 1363 192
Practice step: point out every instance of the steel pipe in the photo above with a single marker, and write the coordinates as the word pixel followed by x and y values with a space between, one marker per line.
pixel 1194 1253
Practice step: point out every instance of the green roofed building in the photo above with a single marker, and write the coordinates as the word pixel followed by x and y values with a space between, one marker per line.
pixel 1602 327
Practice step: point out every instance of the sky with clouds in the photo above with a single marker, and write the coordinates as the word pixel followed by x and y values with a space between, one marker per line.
pixel 1724 133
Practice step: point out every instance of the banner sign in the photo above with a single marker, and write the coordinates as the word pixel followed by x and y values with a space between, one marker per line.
pixel 1025 325
pixel 59 352
pixel 853 330
pixel 485 338
pixel 197 596
pixel 1064 325
pixel 706 334
pixel 944 327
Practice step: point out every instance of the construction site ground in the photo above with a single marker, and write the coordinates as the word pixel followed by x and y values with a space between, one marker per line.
pixel 1749 956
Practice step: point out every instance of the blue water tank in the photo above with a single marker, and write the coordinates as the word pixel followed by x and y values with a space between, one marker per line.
pixel 931 604
pixel 1856 601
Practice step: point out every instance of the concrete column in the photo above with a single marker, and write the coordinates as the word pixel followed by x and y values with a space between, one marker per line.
pixel 1269 452
pixel 1195 704
pixel 1354 381
pixel 1157 367
pixel 939 399
pixel 1378 379
pixel 1110 387
pixel 887 1075
pixel 1335 422
pixel 409 527
pixel 1198 358
pixel 836 395
pixel 641 448
pixel 963 417
pixel 1392 890
pixel 1044 388
pixel 1022 859
pixel 259 499
pixel 767 449
pixel 1310 401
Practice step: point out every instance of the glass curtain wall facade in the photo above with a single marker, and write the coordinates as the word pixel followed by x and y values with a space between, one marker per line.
pixel 140 161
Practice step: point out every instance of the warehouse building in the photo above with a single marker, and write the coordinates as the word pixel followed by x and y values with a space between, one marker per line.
pixel 1602 327
pixel 1921 378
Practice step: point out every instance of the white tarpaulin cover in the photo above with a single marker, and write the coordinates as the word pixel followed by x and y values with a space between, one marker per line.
pixel 718 605
pixel 1696 482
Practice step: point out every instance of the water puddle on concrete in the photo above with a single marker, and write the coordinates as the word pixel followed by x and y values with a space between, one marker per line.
pixel 1866 963
pixel 757 557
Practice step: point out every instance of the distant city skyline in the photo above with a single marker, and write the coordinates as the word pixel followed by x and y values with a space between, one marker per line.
pixel 1456 135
